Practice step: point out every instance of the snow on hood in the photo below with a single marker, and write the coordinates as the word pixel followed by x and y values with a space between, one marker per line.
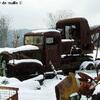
pixel 21 48
pixel 26 47
pixel 16 61
pixel 6 49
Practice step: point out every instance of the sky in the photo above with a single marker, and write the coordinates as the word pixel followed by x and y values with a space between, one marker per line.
pixel 33 14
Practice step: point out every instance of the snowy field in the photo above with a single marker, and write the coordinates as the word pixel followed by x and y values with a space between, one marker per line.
pixel 31 89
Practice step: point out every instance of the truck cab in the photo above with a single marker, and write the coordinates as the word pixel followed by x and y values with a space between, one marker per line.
pixel 76 42
pixel 49 42
pixel 75 31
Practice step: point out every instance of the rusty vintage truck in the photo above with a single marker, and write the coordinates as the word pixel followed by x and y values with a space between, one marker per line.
pixel 67 46
pixel 63 48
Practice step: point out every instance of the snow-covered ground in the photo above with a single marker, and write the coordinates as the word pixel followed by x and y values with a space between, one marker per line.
pixel 31 89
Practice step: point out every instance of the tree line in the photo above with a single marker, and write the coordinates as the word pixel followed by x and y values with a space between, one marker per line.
pixel 4 26
pixel 52 18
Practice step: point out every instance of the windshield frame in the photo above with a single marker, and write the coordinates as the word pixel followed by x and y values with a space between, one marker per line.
pixel 33 40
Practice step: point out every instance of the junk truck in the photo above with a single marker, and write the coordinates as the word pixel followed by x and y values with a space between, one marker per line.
pixel 63 48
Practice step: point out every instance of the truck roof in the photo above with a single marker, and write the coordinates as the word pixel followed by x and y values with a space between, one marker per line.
pixel 81 20
pixel 43 32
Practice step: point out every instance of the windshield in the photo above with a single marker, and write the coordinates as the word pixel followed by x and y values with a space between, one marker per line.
pixel 33 40
pixel 71 31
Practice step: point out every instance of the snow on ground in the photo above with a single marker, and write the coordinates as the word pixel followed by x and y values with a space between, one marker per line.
pixel 31 89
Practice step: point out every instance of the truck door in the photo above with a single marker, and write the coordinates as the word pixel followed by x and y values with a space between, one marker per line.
pixel 52 52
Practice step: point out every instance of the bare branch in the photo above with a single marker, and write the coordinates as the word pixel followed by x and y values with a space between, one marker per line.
pixel 54 17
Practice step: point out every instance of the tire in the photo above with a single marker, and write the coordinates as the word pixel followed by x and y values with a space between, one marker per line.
pixel 87 65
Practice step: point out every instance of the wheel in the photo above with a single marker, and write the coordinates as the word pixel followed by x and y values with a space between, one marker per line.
pixel 87 65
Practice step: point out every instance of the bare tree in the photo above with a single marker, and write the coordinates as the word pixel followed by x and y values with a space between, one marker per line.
pixel 4 26
pixel 58 15
pixel 16 39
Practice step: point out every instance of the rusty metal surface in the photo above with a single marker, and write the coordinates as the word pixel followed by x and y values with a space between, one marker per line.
pixel 83 35
pixel 8 93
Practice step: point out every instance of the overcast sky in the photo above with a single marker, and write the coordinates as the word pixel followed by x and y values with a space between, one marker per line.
pixel 32 14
